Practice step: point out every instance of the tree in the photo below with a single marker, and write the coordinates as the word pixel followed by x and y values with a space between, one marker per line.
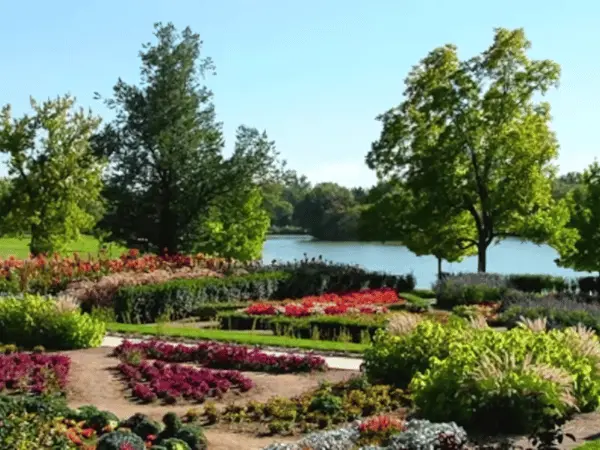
pixel 237 230
pixel 55 180
pixel 565 184
pixel 165 146
pixel 394 214
pixel 470 137
pixel 584 203
pixel 329 212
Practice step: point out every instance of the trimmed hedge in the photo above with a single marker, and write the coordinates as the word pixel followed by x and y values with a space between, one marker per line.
pixel 212 310
pixel 317 276
pixel 181 298
pixel 538 283
pixel 330 328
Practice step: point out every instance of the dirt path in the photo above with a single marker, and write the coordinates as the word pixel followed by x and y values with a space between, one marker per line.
pixel 94 380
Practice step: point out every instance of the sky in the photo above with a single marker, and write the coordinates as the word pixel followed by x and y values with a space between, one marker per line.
pixel 313 73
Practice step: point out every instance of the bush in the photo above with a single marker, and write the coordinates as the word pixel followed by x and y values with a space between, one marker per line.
pixel 423 293
pixel 180 298
pixel 538 283
pixel 560 310
pixel 317 276
pixel 353 328
pixel 469 289
pixel 32 320
pixel 118 440
pixel 211 310
pixel 491 381
pixel 589 285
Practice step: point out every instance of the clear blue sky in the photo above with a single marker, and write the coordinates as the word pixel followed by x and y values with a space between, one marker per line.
pixel 313 73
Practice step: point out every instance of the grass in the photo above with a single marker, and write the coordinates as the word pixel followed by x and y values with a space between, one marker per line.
pixel 236 337
pixel 19 247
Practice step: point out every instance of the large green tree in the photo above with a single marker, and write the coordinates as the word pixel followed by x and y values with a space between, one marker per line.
pixel 584 201
pixel 471 136
pixel 168 169
pixel 394 214
pixel 329 212
pixel 55 180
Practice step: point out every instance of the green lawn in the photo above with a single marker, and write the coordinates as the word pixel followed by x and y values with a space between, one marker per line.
pixel 238 337
pixel 19 247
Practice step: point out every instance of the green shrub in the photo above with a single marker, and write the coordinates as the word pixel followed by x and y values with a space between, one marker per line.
pixel 117 440
pixel 144 304
pixel 465 311
pixel 33 320
pixel 353 328
pixel 211 310
pixel 538 283
pixel 142 425
pixel 492 381
pixel 396 359
pixel 590 445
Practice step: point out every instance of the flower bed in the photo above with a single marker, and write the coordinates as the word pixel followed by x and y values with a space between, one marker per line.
pixel 322 408
pixel 33 373
pixel 223 356
pixel 359 302
pixel 171 382
pixel 414 435
pixel 43 274
pixel 47 423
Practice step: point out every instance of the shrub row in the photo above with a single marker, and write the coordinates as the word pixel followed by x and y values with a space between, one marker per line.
pixel 473 288
pixel 560 310
pixel 488 380
pixel 318 276
pixel 181 298
pixel 56 324
pixel 358 329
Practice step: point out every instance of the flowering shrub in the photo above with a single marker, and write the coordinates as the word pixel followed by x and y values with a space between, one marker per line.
pixel 360 302
pixel 32 373
pixel 224 356
pixel 379 429
pixel 170 382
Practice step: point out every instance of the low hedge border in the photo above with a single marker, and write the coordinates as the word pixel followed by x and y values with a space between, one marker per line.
pixel 322 327
pixel 180 298
pixel 265 342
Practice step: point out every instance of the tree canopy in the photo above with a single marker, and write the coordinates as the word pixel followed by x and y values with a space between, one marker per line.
pixel 167 166
pixel 54 185
pixel 470 137
pixel 584 202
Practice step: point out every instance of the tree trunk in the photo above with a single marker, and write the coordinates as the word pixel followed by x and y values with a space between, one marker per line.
pixel 439 267
pixel 481 256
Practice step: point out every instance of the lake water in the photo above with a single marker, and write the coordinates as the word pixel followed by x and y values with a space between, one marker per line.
pixel 510 256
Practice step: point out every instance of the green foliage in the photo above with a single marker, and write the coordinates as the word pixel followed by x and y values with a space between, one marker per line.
pixel 166 151
pixel 193 436
pixel 31 320
pixel 55 181
pixel 396 359
pixel 329 212
pixel 538 283
pixel 423 293
pixel 491 381
pixel 395 214
pixel 210 311
pixel 142 425
pixel 144 304
pixel 590 445
pixel 174 444
pixel 324 407
pixel 31 431
pixel 117 439
pixel 236 229
pixel 352 328
pixel 584 202
pixel 472 145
